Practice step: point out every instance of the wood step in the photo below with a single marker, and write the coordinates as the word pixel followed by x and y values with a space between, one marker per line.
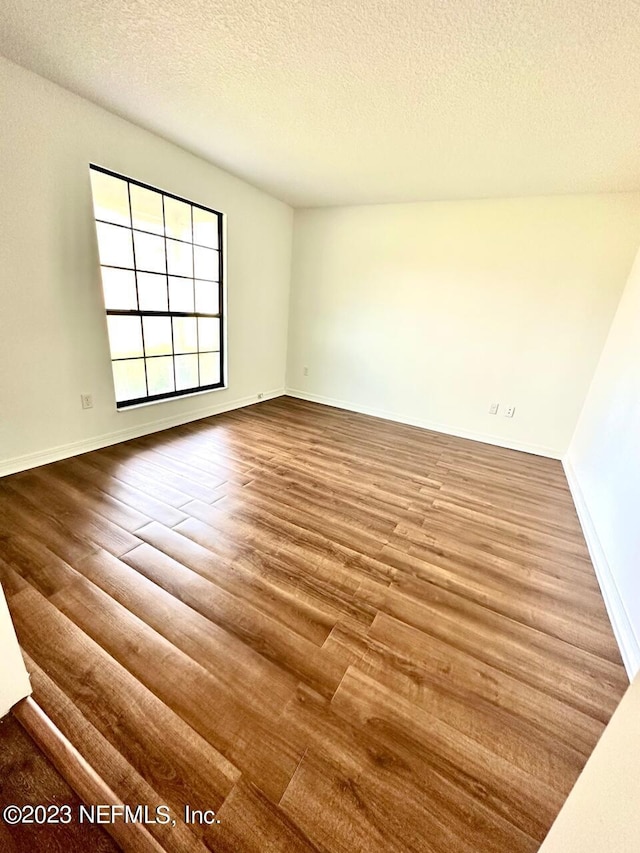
pixel 80 775
pixel 95 769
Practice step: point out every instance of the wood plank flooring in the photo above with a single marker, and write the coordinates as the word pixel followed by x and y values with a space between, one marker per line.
pixel 340 633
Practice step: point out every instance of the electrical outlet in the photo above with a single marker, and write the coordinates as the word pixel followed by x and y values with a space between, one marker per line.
pixel 306 371
pixel 509 411
pixel 493 408
pixel 260 395
pixel 87 401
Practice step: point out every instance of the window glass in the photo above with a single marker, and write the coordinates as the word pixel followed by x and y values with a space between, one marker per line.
pixel 160 259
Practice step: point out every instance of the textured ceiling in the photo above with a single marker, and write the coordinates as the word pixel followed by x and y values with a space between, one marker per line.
pixel 351 101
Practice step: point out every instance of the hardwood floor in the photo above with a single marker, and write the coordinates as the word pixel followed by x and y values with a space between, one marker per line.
pixel 340 633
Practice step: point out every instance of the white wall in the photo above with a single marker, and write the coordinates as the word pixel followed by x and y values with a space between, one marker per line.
pixel 427 313
pixel 14 681
pixel 53 340
pixel 603 468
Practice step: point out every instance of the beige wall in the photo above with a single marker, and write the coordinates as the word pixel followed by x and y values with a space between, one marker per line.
pixel 430 312
pixel 53 340
pixel 603 467
pixel 14 681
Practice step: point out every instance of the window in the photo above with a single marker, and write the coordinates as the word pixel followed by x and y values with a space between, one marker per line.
pixel 161 266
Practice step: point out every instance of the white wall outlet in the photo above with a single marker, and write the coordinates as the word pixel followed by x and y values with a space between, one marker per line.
pixel 509 411
pixel 493 408
pixel 87 401
pixel 305 371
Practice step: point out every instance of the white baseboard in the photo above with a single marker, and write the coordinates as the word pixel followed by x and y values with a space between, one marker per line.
pixel 486 438
pixel 63 451
pixel 627 640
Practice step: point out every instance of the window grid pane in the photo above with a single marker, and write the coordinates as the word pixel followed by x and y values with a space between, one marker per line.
pixel 193 266
pixel 161 258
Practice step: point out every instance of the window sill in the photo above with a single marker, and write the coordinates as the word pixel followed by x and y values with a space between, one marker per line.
pixel 170 399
